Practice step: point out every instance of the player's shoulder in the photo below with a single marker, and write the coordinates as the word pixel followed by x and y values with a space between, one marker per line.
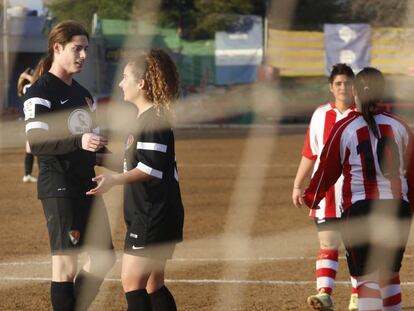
pixel 395 120
pixel 391 116
pixel 321 110
pixel 345 123
pixel 324 108
pixel 41 88
pixel 81 89
pixel 155 122
pixel 38 85
pixel 319 113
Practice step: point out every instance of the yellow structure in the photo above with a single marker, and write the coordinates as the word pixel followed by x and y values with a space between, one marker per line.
pixel 302 53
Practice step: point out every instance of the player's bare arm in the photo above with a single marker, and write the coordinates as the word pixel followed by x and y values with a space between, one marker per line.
pixel 304 169
pixel 107 181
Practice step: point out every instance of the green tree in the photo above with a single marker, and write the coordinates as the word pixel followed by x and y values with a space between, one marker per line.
pixel 313 14
pixel 196 18
pixel 119 9
pixel 82 11
pixel 199 19
pixel 382 13
pixel 307 14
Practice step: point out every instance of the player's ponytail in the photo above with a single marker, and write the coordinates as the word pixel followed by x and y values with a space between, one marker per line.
pixel 369 85
pixel 42 66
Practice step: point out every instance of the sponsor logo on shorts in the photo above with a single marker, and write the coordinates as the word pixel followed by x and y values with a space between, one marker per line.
pixel 137 247
pixel 74 236
pixel 133 235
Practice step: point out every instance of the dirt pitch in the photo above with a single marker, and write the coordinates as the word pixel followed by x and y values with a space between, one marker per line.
pixel 246 247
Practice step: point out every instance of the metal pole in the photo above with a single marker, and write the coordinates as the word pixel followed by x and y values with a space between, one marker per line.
pixel 5 56
pixel 265 32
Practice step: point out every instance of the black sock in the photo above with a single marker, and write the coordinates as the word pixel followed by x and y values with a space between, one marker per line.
pixel 28 164
pixel 86 288
pixel 62 296
pixel 163 300
pixel 138 300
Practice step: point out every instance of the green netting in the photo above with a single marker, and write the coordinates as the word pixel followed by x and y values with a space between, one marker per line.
pixel 197 63
pixel 195 59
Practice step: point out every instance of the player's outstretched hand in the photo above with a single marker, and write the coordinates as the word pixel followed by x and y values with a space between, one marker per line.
pixel 105 182
pixel 93 142
pixel 297 197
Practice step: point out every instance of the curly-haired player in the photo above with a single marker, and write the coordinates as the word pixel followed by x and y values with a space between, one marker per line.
pixel 153 210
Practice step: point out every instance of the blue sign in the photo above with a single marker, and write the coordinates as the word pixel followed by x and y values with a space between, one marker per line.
pixel 239 51
pixel 349 44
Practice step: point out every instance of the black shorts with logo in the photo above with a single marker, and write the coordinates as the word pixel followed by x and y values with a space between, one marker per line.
pixel 160 252
pixel 73 223
pixel 138 243
pixel 375 233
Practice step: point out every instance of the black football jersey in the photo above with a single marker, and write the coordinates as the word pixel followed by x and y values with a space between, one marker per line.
pixel 153 207
pixel 56 116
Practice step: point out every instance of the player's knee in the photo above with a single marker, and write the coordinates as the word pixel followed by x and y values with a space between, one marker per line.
pixel 329 245
pixel 63 270
pixel 153 286
pixel 329 242
pixel 130 283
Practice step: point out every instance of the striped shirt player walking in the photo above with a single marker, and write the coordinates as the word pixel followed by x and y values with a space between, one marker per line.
pixel 327 216
pixel 372 150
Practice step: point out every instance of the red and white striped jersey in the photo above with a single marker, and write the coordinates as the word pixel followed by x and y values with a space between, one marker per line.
pixel 372 168
pixel 322 122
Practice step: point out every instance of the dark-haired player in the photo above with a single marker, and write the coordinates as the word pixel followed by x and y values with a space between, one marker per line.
pixel 61 129
pixel 328 215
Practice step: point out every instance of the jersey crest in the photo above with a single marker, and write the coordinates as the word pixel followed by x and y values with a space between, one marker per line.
pixel 91 104
pixel 79 122
pixel 29 110
pixel 129 141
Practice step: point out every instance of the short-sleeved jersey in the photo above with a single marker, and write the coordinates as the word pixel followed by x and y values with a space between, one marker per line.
pixel 322 122
pixel 57 115
pixel 372 168
pixel 156 203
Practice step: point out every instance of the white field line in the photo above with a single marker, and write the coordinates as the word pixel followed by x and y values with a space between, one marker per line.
pixel 246 259
pixel 201 165
pixel 183 259
pixel 194 281
pixel 187 281
pixel 201 281
pixel 236 165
